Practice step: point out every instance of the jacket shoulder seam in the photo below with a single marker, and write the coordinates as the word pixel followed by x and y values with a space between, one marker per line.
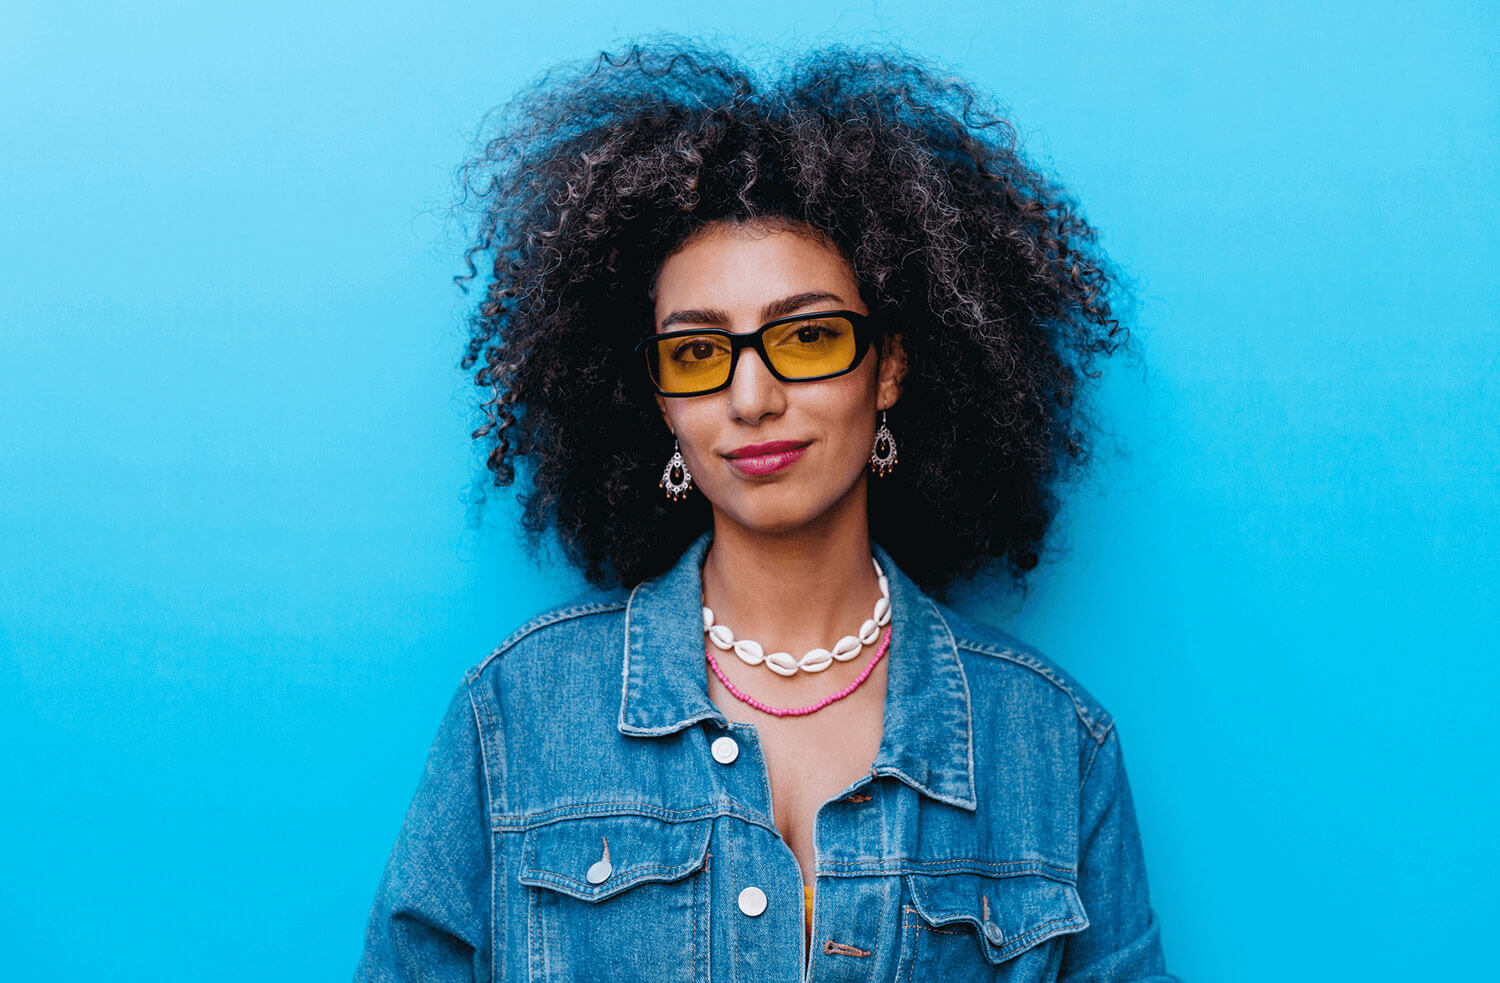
pixel 1088 769
pixel 541 621
pixel 1098 726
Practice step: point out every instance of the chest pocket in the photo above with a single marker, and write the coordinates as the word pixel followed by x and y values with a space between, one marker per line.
pixel 617 898
pixel 980 927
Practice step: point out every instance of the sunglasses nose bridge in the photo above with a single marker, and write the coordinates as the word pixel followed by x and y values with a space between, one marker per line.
pixel 754 390
pixel 749 346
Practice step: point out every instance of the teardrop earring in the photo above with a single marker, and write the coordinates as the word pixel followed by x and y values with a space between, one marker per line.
pixel 883 454
pixel 675 479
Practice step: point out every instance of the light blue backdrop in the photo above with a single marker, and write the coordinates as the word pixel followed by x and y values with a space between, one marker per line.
pixel 239 580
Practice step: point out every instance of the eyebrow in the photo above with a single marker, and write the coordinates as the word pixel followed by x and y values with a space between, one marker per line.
pixel 715 317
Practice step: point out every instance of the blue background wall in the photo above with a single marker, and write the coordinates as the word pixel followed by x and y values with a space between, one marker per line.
pixel 238 577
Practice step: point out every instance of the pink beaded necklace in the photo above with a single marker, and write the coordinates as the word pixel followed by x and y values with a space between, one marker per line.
pixel 885 643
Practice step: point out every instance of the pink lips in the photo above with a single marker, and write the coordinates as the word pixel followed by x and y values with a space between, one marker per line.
pixel 756 460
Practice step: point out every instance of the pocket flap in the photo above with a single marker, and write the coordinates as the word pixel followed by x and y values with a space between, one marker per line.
pixel 560 855
pixel 1011 914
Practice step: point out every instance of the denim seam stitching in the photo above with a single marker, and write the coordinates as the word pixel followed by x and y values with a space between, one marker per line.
pixel 906 928
pixel 963 677
pixel 547 816
pixel 736 950
pixel 702 969
pixel 541 877
pixel 488 725
pixel 484 780
pixel 1096 727
pixel 1006 949
pixel 533 920
pixel 1027 938
pixel 543 621
pixel 926 788
pixel 1088 769
pixel 525 823
pixel 625 662
pixel 902 867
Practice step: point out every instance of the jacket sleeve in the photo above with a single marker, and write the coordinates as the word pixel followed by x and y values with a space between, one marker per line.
pixel 1123 940
pixel 430 920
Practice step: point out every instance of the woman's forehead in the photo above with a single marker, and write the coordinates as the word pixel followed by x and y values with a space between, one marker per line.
pixel 745 270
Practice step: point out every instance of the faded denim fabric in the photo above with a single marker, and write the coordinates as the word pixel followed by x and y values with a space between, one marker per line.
pixel 994 839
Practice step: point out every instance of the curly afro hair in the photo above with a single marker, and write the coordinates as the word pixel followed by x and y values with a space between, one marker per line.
pixel 993 278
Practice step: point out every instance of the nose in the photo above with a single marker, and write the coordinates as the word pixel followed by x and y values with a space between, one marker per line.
pixel 754 393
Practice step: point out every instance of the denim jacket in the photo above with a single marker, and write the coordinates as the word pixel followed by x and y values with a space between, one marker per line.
pixel 576 821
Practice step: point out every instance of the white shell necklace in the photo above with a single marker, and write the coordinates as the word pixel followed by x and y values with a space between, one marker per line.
pixel 751 653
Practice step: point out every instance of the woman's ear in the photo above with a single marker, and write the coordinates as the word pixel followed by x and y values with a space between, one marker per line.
pixel 892 371
pixel 661 406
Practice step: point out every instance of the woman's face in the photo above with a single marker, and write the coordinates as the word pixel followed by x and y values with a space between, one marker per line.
pixel 738 277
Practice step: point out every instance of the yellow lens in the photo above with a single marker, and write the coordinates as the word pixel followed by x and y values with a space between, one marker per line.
pixel 814 347
pixel 692 363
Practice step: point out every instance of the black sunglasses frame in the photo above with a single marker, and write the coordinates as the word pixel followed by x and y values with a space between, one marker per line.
pixel 864 326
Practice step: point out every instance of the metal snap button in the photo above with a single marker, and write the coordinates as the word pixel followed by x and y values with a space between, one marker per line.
pixel 725 750
pixel 752 901
pixel 602 868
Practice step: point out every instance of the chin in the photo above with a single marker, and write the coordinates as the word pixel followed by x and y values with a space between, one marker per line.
pixel 770 521
pixel 777 512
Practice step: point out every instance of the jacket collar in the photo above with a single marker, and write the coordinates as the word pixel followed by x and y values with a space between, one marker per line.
pixel 928 740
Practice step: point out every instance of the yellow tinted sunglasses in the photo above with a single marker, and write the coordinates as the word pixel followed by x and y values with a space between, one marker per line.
pixel 800 348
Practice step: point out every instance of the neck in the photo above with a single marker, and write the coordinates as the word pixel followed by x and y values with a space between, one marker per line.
pixel 793 590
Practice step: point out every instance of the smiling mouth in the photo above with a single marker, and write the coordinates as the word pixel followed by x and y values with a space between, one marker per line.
pixel 771 447
pixel 755 460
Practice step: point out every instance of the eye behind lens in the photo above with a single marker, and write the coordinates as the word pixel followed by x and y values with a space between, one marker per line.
pixel 816 347
pixel 690 364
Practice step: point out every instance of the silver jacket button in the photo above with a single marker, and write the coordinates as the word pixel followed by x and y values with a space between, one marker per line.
pixel 752 901
pixel 725 750
pixel 602 868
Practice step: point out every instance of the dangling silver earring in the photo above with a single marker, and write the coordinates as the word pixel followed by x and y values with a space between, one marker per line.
pixel 675 480
pixel 883 455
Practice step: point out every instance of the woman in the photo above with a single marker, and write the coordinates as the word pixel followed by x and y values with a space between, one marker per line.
pixel 778 359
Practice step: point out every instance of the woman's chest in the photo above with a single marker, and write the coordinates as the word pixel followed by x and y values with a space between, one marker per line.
pixel 705 882
pixel 806 767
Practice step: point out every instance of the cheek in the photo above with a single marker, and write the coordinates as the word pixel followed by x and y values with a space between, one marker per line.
pixel 850 417
pixel 692 424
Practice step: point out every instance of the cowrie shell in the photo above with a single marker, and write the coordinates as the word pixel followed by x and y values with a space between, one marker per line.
pixel 782 663
pixel 883 611
pixel 869 631
pixel 816 661
pixel 721 636
pixel 847 648
pixel 749 651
